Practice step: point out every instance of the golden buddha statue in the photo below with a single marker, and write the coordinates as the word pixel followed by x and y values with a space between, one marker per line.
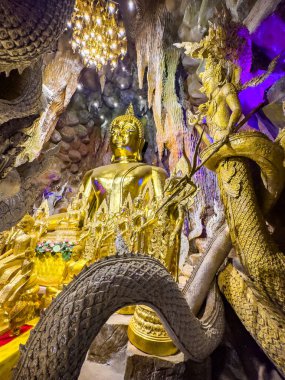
pixel 126 198
pixel 110 191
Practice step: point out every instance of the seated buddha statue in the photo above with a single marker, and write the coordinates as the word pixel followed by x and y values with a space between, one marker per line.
pixel 124 198
pixel 110 191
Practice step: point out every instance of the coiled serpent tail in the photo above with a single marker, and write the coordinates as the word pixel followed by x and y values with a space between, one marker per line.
pixel 57 347
pixel 258 253
pixel 264 323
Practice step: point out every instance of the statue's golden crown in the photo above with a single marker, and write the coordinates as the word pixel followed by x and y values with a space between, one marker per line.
pixel 130 117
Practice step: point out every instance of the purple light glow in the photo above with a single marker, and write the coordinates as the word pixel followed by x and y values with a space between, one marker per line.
pixel 270 36
pixel 47 193
pixel 252 96
pixel 269 39
pixel 99 186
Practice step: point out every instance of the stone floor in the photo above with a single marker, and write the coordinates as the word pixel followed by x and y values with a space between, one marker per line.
pixel 91 370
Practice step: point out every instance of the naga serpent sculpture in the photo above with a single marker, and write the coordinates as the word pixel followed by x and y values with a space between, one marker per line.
pixel 58 345
pixel 28 30
pixel 255 283
pixel 257 293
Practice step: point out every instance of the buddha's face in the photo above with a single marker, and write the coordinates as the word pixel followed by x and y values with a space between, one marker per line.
pixel 26 224
pixel 125 140
pixel 76 204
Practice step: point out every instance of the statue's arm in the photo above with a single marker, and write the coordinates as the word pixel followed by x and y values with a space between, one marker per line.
pixel 158 180
pixel 33 241
pixel 233 103
pixel 88 198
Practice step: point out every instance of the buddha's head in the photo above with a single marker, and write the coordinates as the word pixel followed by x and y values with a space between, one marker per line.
pixel 26 223
pixel 127 137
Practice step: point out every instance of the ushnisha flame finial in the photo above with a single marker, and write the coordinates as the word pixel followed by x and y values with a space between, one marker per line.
pixel 130 110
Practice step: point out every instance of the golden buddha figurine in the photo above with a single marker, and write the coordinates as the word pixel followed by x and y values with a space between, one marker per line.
pixel 74 266
pixel 18 281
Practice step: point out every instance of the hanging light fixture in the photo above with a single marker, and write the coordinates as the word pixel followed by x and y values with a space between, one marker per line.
pixel 98 35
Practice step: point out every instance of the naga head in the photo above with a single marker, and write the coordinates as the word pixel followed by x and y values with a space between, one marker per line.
pixel 127 137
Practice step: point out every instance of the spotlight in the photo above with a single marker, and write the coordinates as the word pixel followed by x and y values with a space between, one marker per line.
pixel 131 5
pixel 79 87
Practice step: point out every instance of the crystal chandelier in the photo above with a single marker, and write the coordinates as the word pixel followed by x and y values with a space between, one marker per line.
pixel 98 35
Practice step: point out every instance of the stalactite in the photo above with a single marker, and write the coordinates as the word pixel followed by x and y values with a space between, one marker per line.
pixel 173 123
pixel 156 54
pixel 150 53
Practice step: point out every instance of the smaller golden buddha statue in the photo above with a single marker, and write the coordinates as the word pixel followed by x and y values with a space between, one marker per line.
pixel 74 266
pixel 20 239
pixel 18 281
pixel 41 216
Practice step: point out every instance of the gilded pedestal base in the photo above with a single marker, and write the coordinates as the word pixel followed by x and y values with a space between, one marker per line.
pixel 127 310
pixel 146 332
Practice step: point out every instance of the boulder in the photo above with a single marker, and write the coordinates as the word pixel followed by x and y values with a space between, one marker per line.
pixel 68 134
pixel 90 125
pixel 123 82
pixel 76 143
pixel 111 101
pixel 86 140
pixel 74 168
pixel 109 89
pixel 78 101
pixel 140 366
pixel 81 131
pixel 83 150
pixel 70 118
pixel 64 146
pixel 55 137
pixel 111 339
pixel 64 157
pixel 83 116
pixel 74 155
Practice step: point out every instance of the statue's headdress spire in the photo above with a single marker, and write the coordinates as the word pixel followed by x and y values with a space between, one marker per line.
pixel 130 110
